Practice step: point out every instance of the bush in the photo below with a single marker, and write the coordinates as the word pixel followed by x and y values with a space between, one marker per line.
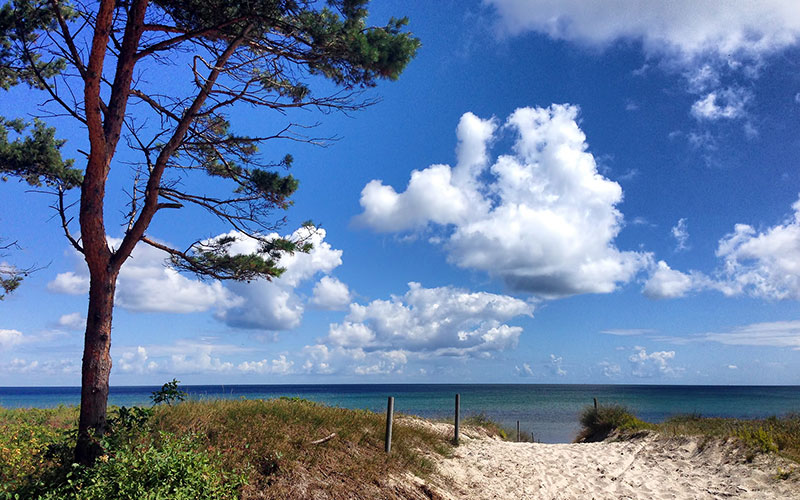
pixel 173 468
pixel 598 423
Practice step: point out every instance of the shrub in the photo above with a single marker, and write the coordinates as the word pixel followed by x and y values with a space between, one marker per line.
pixel 598 423
pixel 173 468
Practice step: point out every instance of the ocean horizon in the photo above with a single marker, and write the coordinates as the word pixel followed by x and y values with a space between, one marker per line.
pixel 548 411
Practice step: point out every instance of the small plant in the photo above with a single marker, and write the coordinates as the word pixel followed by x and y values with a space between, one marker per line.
pixel 783 474
pixel 168 393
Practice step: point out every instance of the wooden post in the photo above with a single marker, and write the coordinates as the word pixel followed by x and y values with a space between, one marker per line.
pixel 389 416
pixel 518 431
pixel 458 418
pixel 595 404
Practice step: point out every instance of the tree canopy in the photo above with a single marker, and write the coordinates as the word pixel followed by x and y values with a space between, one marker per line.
pixel 103 64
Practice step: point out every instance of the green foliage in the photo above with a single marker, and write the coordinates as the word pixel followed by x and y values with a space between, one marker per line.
pixel 21 61
pixel 35 158
pixel 168 393
pixel 9 284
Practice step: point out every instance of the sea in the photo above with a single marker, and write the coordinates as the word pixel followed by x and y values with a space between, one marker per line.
pixel 549 412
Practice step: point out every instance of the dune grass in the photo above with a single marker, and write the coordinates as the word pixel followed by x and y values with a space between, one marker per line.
pixel 223 449
pixel 780 435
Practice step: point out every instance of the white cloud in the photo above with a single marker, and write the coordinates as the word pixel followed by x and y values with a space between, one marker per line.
pixel 733 367
pixel 681 234
pixel 525 371
pixel 54 367
pixel 10 338
pixel 145 284
pixel 543 219
pixel 389 362
pixel 555 365
pixel 330 293
pixel 135 361
pixel 763 264
pixel 711 43
pixel 651 365
pixel 610 370
pixel 72 321
pixel 278 366
pixel 627 331
pixel 681 28
pixel 723 103
pixel 201 362
pixel 275 305
pixel 444 321
pixel 774 334
pixel 20 366
pixel 70 283
pixel 667 283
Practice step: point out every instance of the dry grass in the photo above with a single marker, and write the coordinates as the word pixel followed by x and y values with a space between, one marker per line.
pixel 769 435
pixel 270 442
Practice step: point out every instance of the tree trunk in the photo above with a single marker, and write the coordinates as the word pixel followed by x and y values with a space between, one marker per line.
pixel 96 367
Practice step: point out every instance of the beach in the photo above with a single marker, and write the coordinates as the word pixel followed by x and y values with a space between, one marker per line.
pixel 647 467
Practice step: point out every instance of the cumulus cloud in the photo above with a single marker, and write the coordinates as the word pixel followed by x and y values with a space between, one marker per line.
pixel 444 321
pixel 542 217
pixel 9 338
pixel 136 361
pixel 279 366
pixel 680 232
pixel 330 293
pixel 72 321
pixel 147 284
pixel 667 283
pixel 388 362
pixel 651 365
pixel 724 103
pixel 275 305
pixel 763 264
pixel 610 370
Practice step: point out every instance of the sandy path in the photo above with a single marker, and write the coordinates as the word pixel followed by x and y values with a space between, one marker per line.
pixel 645 468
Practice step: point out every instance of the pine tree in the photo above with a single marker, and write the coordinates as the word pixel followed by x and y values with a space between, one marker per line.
pixel 93 60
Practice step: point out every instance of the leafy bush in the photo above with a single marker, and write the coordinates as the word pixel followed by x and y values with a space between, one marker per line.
pixel 174 468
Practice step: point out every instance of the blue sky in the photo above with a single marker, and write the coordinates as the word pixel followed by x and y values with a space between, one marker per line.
pixel 551 193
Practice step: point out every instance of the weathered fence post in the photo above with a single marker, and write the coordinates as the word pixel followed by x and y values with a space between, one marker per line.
pixel 389 416
pixel 458 418
pixel 595 404
pixel 518 431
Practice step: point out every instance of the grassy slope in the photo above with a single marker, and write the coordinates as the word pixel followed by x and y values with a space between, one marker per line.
pixel 260 449
pixel 770 435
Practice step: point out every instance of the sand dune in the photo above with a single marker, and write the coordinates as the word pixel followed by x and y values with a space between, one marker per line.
pixel 649 467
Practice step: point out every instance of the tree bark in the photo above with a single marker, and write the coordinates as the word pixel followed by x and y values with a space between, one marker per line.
pixel 96 367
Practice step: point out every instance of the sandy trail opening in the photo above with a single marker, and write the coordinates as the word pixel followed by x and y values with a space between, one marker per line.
pixel 649 467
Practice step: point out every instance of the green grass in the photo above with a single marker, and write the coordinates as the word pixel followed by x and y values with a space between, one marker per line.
pixel 217 450
pixel 770 435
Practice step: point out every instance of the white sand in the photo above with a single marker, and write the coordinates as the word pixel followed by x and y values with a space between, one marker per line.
pixel 649 467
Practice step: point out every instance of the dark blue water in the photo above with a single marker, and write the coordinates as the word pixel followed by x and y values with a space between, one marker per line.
pixel 550 412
